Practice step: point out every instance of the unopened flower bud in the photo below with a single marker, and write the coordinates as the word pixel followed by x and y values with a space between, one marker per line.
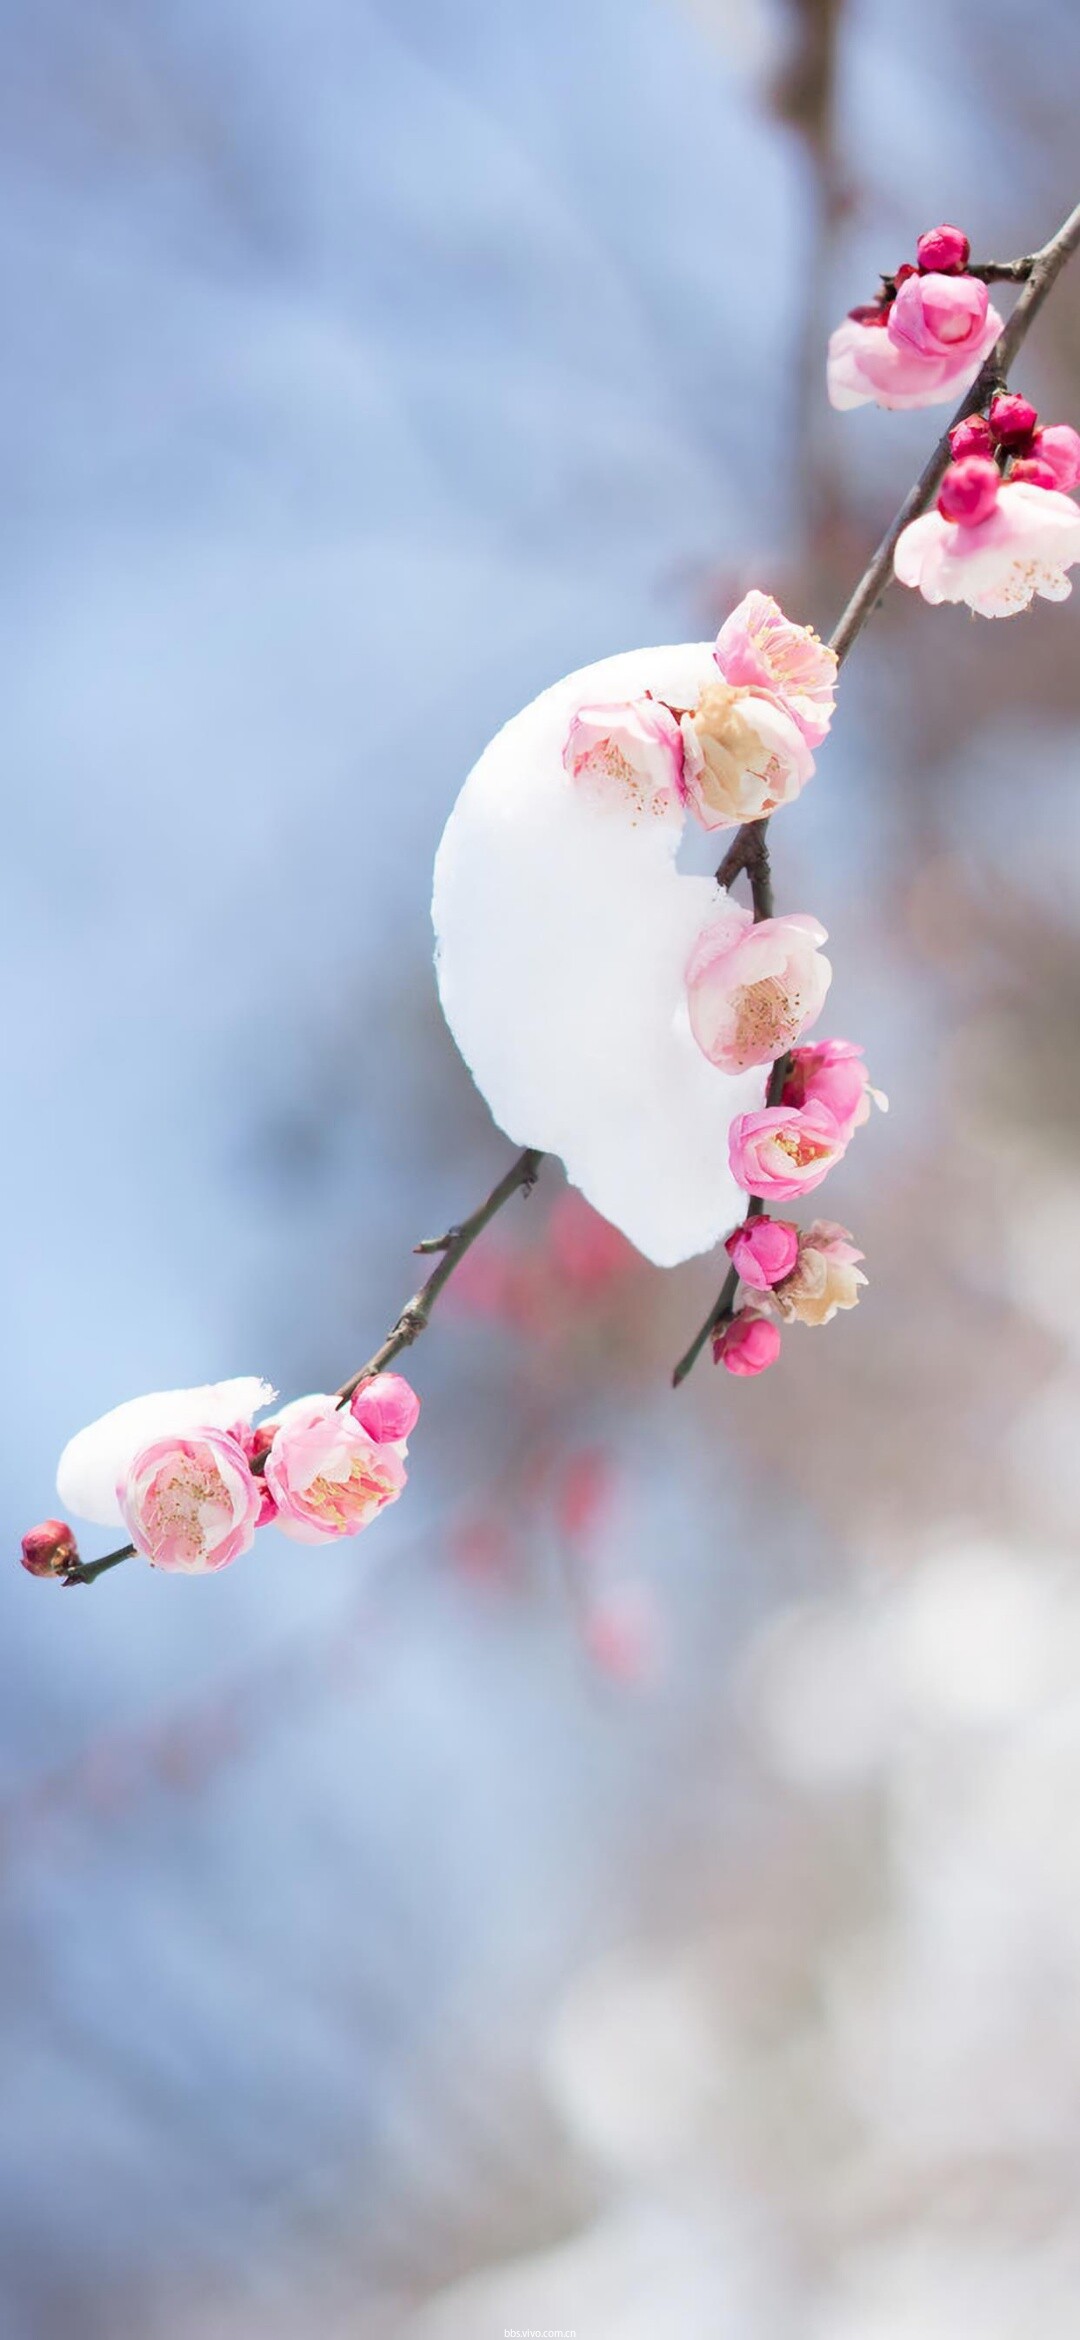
pixel 386 1407
pixel 971 437
pixel 907 268
pixel 943 250
pixel 749 1344
pixel 50 1548
pixel 1012 419
pixel 763 1251
pixel 969 491
pixel 1034 470
pixel 1059 446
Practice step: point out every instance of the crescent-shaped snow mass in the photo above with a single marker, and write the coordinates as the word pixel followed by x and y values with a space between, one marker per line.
pixel 563 929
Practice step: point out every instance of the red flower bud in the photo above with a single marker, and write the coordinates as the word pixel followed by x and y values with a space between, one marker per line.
pixel 1012 419
pixel 1034 470
pixel 50 1548
pixel 943 251
pixel 969 490
pixel 972 437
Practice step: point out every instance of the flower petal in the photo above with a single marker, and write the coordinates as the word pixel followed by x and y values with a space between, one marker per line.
pixel 99 1457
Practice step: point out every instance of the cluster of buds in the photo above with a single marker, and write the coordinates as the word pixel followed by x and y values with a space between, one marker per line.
pixel 793 1276
pixel 924 337
pixel 744 750
pixel 1006 527
pixel 193 1494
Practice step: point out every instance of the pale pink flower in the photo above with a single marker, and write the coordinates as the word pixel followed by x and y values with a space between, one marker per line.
pixel 763 1251
pixel 191 1504
pixel 930 341
pixel 629 756
pixel 96 1461
pixel 748 1344
pixel 832 1073
pixel 751 989
pixel 1059 446
pixel 757 645
pixel 784 1150
pixel 745 755
pixel 1024 547
pixel 327 1476
pixel 387 1407
pixel 826 1276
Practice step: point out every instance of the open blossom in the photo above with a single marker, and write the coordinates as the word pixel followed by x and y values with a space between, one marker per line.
pixel 749 1344
pixel 826 1276
pixel 832 1073
pixel 629 755
pixel 760 647
pixel 784 1150
pixel 96 1461
pixel 191 1504
pixel 918 350
pixel 763 1251
pixel 1023 547
pixel 327 1475
pixel 752 989
pixel 387 1407
pixel 744 756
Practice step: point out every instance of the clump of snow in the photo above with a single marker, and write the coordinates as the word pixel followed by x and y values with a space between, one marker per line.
pixel 99 1457
pixel 563 930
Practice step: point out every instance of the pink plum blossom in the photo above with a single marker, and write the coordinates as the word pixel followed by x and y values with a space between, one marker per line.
pixel 763 1251
pixel 629 756
pixel 191 1504
pixel 1059 446
pixel 1024 547
pixel 744 756
pixel 784 1150
pixel 749 1344
pixel 760 647
pixel 387 1407
pixel 832 1073
pixel 752 989
pixel 826 1276
pixel 920 350
pixel 327 1475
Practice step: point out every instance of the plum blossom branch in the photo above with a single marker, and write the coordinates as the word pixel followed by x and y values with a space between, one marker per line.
pixel 1037 273
pixel 413 1320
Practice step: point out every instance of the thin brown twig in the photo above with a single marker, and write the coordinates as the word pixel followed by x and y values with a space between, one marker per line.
pixel 748 850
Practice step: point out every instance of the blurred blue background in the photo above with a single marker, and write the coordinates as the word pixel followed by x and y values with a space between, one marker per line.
pixel 366 368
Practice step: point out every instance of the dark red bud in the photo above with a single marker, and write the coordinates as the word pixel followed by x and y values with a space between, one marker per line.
pixel 870 313
pixel 50 1548
pixel 969 490
pixel 943 251
pixel 1012 419
pixel 971 438
pixel 907 269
